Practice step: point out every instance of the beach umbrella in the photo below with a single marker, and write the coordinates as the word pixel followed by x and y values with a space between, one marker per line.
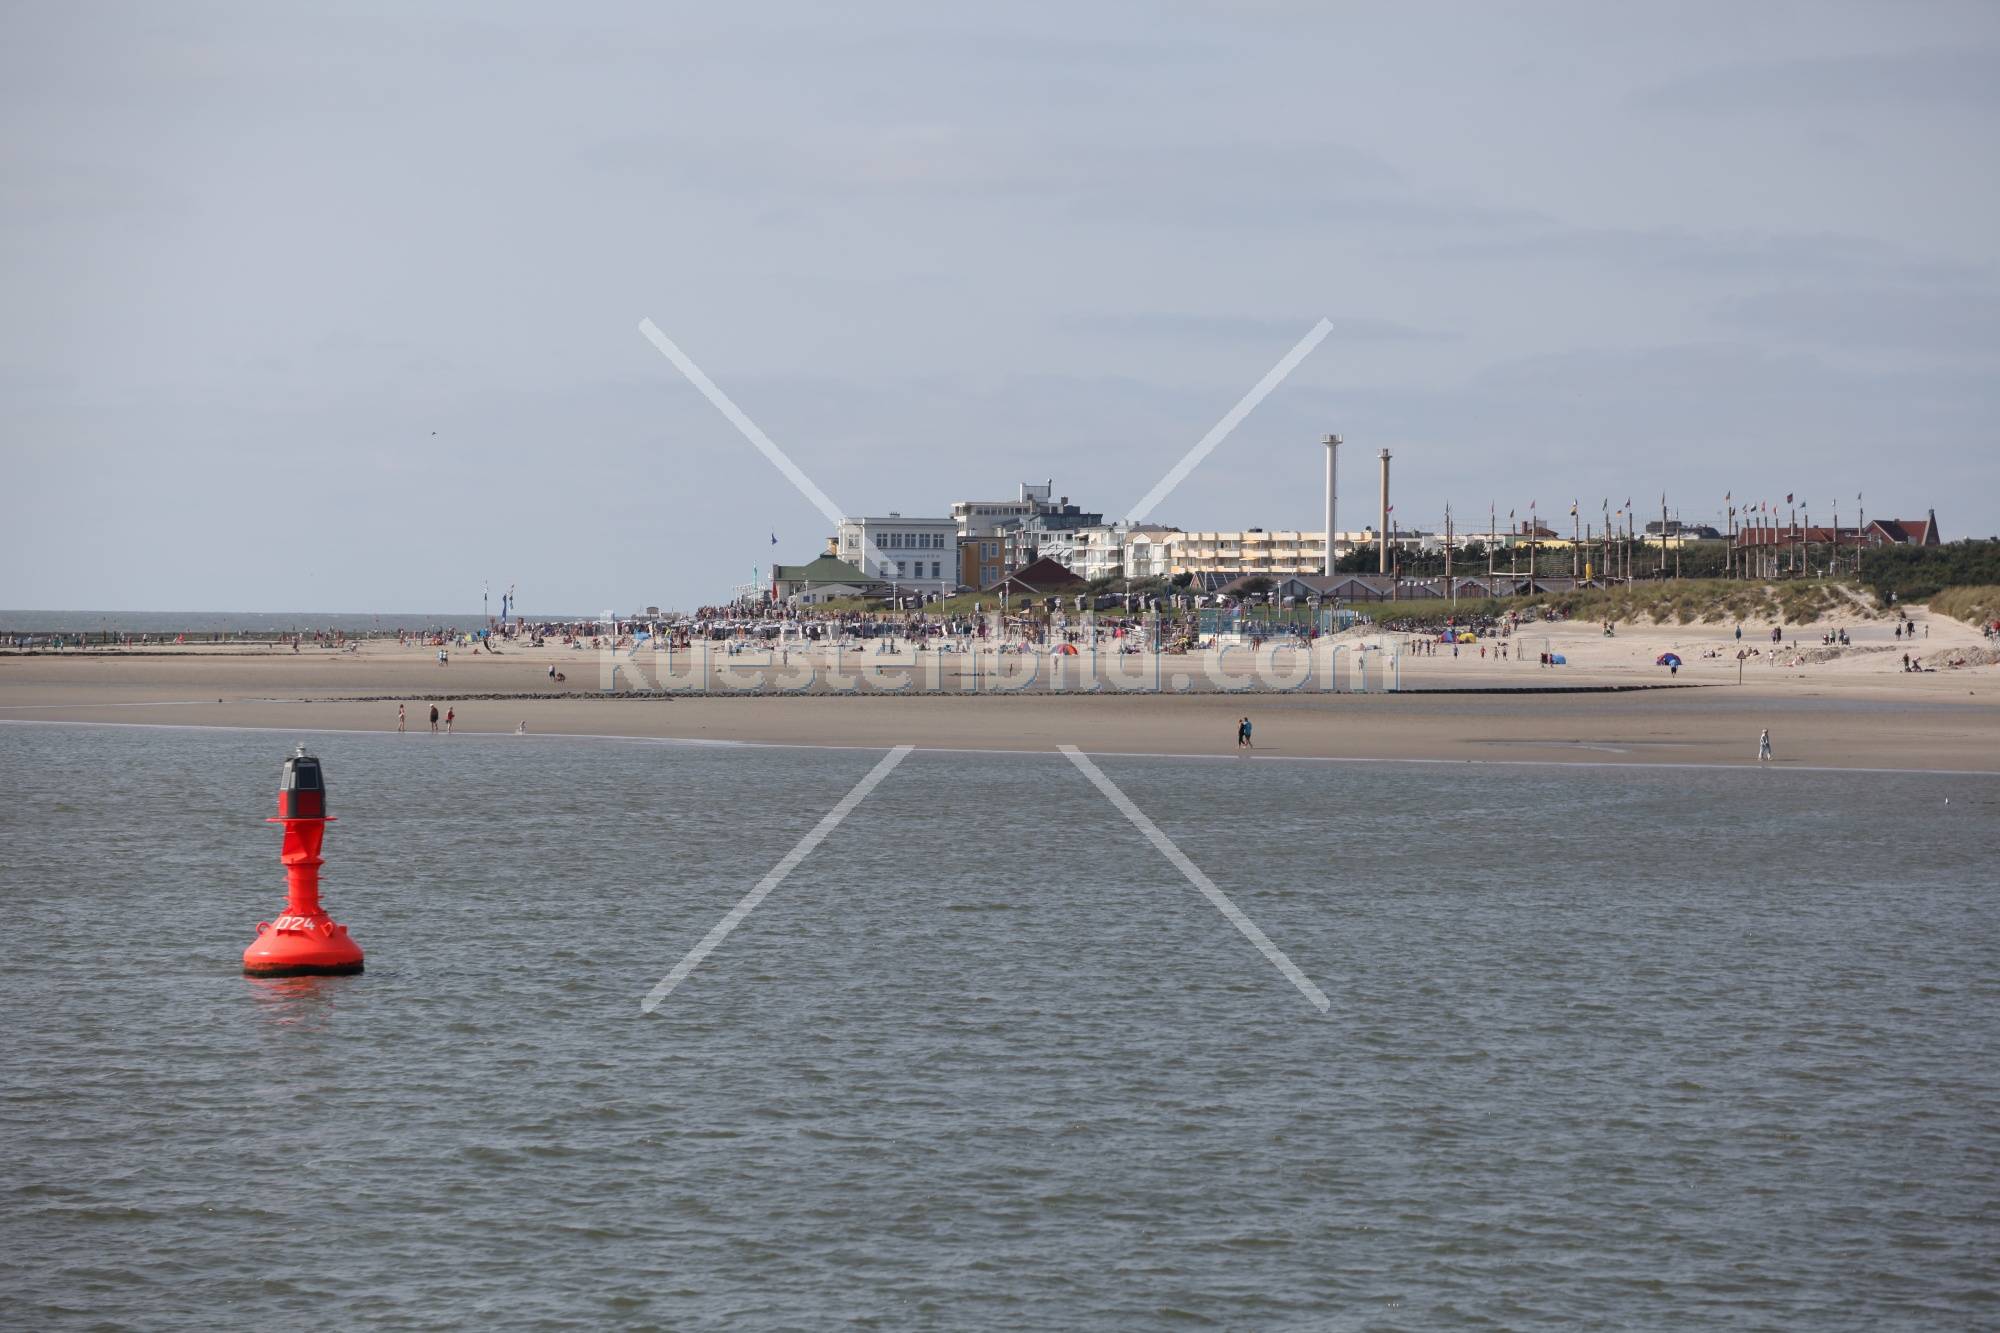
pixel 1667 659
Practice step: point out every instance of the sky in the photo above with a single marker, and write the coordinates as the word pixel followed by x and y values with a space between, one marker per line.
pixel 339 310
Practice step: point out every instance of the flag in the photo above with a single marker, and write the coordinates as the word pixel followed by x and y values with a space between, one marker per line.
pixel 1788 497
pixel 774 539
pixel 1572 509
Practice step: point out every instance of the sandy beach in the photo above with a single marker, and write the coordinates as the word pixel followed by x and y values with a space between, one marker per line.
pixel 1848 708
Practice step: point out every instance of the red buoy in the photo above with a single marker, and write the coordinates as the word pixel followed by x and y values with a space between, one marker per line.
pixel 304 941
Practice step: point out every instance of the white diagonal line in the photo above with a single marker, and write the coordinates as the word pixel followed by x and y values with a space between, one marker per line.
pixel 741 420
pixel 1166 848
pixel 872 559
pixel 1220 431
pixel 720 932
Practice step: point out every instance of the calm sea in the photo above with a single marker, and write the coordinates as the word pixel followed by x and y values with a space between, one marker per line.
pixel 1607 1047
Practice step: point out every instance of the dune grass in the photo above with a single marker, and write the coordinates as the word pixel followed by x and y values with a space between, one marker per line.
pixel 1976 605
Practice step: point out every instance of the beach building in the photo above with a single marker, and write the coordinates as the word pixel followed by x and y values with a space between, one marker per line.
pixel 1038 577
pixel 982 560
pixel 1902 531
pixel 915 556
pixel 823 579
pixel 1342 589
pixel 1774 538
pixel 984 518
pixel 1251 551
pixel 1875 532
pixel 1148 551
pixel 1049 533
pixel 1256 551
pixel 1036 523
pixel 1135 551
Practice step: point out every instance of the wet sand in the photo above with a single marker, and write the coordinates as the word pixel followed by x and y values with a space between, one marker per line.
pixel 1839 715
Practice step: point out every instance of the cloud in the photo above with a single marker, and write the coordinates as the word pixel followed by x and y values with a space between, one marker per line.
pixel 1237 185
pixel 1926 319
pixel 1719 254
pixel 1277 330
pixel 1965 78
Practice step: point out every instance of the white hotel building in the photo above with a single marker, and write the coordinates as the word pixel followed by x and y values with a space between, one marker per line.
pixel 917 555
pixel 1138 552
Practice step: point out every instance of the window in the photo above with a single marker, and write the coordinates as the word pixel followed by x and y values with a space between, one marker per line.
pixel 937 569
pixel 900 573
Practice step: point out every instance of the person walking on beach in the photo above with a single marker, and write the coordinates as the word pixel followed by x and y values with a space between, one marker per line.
pixel 1243 735
pixel 1764 746
pixel 450 715
pixel 399 717
pixel 434 719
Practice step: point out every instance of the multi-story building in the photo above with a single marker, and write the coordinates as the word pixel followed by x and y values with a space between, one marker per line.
pixel 1256 551
pixel 1137 551
pixel 983 518
pixel 1050 534
pixel 1035 525
pixel 916 556
pixel 982 560
pixel 1149 551
pixel 1099 551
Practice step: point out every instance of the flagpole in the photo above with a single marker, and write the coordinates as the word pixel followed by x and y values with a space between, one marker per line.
pixel 1860 530
pixel 1663 534
pixel 1450 588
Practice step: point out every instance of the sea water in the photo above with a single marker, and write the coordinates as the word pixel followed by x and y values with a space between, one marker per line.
pixel 1606 1046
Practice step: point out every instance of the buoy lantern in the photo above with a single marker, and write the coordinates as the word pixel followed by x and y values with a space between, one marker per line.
pixel 304 940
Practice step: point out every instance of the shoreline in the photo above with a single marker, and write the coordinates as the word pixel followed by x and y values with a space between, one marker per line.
pixel 1827 709
pixel 1254 756
pixel 1682 729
